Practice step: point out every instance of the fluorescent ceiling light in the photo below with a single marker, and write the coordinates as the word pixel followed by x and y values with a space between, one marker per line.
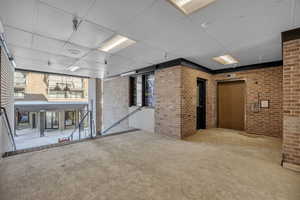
pixel 73 68
pixel 128 73
pixel 225 59
pixel 116 43
pixel 190 6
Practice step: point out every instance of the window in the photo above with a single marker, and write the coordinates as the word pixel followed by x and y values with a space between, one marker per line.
pixel 52 120
pixel 75 94
pixel 19 92
pixel 149 90
pixel 69 118
pixel 20 79
pixel 19 84
pixel 66 87
pixel 141 90
pixel 133 91
pixel 23 118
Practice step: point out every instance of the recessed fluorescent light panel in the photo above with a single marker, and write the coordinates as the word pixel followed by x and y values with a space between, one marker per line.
pixel 73 68
pixel 128 73
pixel 190 6
pixel 116 43
pixel 225 60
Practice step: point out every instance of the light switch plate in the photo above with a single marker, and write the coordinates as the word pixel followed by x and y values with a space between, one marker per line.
pixel 264 104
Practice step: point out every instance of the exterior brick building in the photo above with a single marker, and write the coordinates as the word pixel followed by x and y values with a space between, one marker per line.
pixel 62 99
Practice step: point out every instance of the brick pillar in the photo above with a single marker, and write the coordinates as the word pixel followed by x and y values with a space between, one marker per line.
pixel 291 99
pixel 168 102
pixel 98 104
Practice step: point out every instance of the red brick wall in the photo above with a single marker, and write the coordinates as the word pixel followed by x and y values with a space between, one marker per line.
pixel 267 83
pixel 291 102
pixel 168 102
pixel 176 100
pixel 188 96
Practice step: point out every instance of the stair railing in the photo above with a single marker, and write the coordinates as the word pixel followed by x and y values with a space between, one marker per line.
pixel 10 134
pixel 71 137
pixel 121 120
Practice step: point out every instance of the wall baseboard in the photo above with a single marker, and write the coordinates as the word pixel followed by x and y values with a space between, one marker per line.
pixel 291 166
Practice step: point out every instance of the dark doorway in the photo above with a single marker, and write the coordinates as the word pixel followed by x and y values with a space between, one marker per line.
pixel 201 108
pixel 33 121
pixel 231 105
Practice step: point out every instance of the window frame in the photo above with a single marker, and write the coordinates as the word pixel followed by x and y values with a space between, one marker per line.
pixel 144 78
pixel 133 83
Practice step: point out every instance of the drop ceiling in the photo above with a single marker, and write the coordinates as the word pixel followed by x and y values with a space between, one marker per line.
pixel 40 33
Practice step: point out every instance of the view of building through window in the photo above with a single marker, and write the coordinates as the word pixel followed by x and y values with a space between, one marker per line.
pixel 141 91
pixel 49 86
pixel 48 106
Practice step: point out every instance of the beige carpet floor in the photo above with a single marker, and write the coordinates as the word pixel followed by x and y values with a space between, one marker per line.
pixel 213 164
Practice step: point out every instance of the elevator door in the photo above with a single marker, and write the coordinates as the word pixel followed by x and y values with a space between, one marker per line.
pixel 231 105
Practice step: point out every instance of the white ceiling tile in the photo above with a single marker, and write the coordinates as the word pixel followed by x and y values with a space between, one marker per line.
pixel 90 35
pixel 115 13
pixel 163 26
pixel 36 55
pixel 76 7
pixel 28 53
pixel 74 51
pixel 160 18
pixel 40 65
pixel 18 13
pixel 142 53
pixel 47 45
pixel 96 55
pixel 22 62
pixel 265 50
pixel 119 64
pixel 18 37
pixel 53 22
pixel 253 20
pixel 93 66
pixel 248 30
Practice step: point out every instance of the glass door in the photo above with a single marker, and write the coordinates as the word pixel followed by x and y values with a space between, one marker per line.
pixel 52 120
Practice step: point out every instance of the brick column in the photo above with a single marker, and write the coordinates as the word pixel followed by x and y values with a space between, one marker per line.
pixel 291 99
pixel 168 102
pixel 98 103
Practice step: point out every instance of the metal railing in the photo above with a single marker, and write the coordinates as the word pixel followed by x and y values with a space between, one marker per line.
pixel 10 134
pixel 118 122
pixel 92 126
pixel 79 127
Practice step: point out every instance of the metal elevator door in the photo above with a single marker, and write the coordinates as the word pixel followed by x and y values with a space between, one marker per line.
pixel 231 105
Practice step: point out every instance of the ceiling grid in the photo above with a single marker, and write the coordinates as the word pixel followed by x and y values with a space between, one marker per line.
pixel 247 30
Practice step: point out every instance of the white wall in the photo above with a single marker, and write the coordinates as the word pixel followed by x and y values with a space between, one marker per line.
pixel 115 103
pixel 143 119
pixel 116 106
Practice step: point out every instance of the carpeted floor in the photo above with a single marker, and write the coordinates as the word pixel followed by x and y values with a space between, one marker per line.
pixel 213 164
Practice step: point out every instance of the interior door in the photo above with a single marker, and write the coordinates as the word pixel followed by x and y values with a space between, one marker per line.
pixel 231 105
pixel 201 108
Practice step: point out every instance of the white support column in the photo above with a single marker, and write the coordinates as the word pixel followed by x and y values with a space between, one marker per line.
pixel 42 120
pixel 61 117
pixel 95 101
